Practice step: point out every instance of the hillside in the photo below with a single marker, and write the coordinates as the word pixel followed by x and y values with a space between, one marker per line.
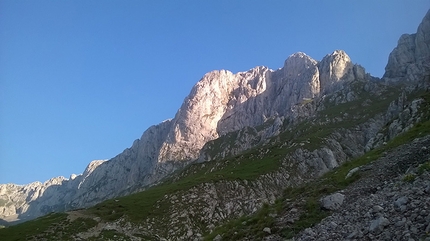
pixel 261 154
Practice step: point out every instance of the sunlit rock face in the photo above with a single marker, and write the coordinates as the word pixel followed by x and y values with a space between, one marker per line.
pixel 222 102
pixel 334 68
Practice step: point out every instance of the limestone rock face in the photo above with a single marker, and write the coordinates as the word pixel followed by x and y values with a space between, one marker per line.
pixel 222 102
pixel 410 60
pixel 402 57
pixel 333 68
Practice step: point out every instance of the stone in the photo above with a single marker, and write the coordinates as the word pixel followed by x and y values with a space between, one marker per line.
pixel 377 209
pixel 351 172
pixel 332 202
pixel 334 68
pixel 217 238
pixel 267 230
pixel 400 203
pixel 378 224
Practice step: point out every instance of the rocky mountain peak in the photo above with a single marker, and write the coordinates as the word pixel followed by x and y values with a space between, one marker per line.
pixel 55 181
pixel 333 68
pixel 298 63
pixel 92 166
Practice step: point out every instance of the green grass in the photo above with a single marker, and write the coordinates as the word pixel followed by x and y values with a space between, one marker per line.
pixel 110 235
pixel 141 205
pixel 425 167
pixel 80 225
pixel 247 225
pixel 410 177
pixel 39 226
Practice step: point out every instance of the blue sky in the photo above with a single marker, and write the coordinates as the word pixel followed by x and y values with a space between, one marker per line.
pixel 81 80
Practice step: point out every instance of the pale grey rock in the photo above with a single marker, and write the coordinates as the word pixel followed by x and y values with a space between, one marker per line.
pixel 377 225
pixel 334 68
pixel 377 208
pixel 217 238
pixel 401 57
pixel 352 171
pixel 400 203
pixel 409 61
pixel 422 42
pixel 333 201
pixel 359 72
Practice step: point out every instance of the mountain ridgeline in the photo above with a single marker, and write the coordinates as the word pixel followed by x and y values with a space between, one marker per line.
pixel 238 141
pixel 220 103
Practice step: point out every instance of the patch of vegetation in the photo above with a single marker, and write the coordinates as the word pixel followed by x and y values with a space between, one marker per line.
pixel 110 235
pixel 3 202
pixel 252 225
pixel 80 225
pixel 425 167
pixel 410 177
pixel 306 101
pixel 266 124
pixel 40 226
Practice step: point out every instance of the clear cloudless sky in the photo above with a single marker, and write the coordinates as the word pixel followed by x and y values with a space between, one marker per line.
pixel 81 80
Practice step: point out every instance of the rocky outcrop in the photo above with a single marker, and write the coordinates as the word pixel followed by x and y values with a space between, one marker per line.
pixel 410 60
pixel 334 68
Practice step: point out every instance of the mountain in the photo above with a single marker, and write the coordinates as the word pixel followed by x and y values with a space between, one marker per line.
pixel 240 147
pixel 220 103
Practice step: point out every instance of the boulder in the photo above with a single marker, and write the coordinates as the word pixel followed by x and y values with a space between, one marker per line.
pixel 332 202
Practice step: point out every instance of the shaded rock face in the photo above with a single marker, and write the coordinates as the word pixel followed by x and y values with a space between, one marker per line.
pixel 410 60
